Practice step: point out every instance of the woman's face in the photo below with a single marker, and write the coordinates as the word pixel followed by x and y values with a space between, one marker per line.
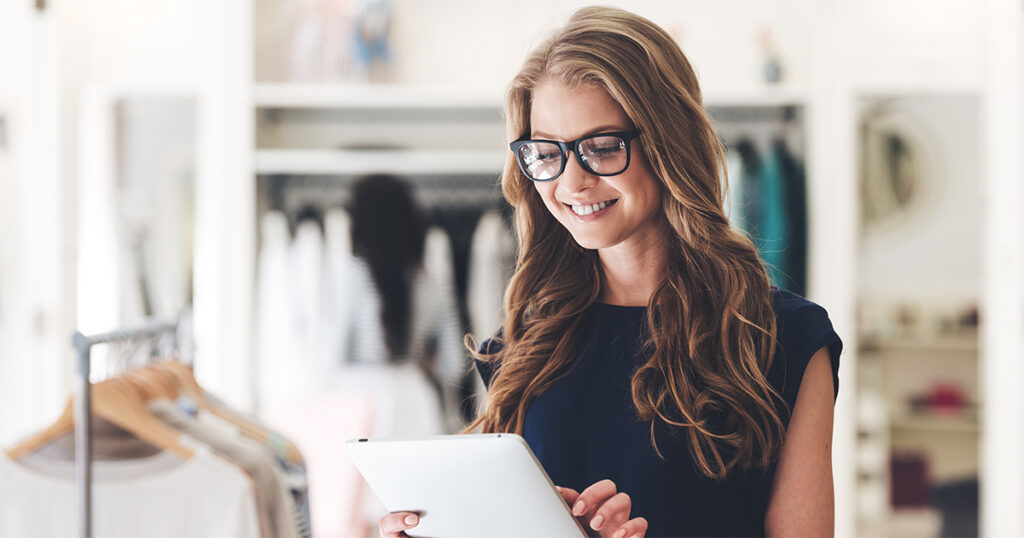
pixel 566 112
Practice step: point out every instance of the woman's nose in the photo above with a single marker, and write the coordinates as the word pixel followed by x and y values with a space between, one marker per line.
pixel 574 178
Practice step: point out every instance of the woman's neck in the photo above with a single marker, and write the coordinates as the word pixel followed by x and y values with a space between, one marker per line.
pixel 632 270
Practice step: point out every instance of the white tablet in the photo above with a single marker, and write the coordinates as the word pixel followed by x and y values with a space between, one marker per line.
pixel 465 486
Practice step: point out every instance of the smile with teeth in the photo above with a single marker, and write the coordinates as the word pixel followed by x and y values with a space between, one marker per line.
pixel 584 210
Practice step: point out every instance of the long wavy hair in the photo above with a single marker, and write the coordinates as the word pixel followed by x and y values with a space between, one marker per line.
pixel 711 328
pixel 388 232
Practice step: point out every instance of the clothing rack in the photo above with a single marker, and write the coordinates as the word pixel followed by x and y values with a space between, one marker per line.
pixel 289 193
pixel 83 404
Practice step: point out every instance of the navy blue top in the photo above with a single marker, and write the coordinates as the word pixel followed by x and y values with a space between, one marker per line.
pixel 584 428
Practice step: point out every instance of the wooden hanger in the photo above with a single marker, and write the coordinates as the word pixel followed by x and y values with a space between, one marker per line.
pixel 151 384
pixel 119 402
pixel 250 429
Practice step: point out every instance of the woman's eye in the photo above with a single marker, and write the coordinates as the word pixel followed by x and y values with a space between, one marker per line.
pixel 549 157
pixel 605 150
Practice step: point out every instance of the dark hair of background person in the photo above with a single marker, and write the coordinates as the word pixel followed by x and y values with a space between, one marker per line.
pixel 388 232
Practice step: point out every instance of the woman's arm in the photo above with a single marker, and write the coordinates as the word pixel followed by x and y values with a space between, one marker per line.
pixel 802 502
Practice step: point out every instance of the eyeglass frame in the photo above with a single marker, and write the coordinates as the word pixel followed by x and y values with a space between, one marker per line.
pixel 573 145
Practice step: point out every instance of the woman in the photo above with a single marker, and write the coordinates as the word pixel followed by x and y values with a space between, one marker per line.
pixel 400 337
pixel 656 374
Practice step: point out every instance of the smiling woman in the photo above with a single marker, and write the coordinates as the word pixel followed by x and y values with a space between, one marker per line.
pixel 626 199
pixel 645 358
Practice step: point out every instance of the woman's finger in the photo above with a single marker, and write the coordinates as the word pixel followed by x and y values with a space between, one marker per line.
pixel 593 496
pixel 570 495
pixel 634 528
pixel 392 525
pixel 611 513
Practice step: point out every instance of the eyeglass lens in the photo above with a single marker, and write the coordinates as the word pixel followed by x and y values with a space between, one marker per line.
pixel 601 155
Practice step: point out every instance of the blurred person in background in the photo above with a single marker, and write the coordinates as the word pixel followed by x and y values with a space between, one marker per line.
pixel 654 371
pixel 399 336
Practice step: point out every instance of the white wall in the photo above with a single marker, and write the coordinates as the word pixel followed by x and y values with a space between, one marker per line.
pixel 34 370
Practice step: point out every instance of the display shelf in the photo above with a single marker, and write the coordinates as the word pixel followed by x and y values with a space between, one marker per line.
pixel 398 96
pixel 365 96
pixel 769 96
pixel 968 344
pixel 355 162
pixel 935 424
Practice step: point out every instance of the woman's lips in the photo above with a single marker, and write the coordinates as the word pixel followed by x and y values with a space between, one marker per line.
pixel 590 211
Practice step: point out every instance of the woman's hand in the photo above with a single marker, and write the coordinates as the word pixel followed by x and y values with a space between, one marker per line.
pixel 604 510
pixel 394 525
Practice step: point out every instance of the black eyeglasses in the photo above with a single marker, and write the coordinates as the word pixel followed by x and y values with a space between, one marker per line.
pixel 601 154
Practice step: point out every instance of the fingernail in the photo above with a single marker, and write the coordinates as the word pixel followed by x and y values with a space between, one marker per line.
pixel 619 533
pixel 596 523
pixel 410 520
pixel 636 536
pixel 578 509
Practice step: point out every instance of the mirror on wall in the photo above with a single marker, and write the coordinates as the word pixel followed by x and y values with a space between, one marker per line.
pixel 918 287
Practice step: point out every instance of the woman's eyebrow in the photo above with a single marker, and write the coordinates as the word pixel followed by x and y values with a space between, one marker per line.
pixel 595 130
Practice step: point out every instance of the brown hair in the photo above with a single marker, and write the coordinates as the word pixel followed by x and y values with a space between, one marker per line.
pixel 710 321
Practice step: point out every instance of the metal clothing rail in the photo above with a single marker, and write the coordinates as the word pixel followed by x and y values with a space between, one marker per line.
pixel 83 406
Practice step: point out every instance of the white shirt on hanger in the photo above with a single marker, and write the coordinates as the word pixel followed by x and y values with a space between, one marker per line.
pixel 202 497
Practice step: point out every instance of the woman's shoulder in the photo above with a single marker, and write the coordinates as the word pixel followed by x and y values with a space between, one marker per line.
pixel 803 327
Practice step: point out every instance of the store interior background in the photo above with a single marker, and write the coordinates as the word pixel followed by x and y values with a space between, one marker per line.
pixel 170 123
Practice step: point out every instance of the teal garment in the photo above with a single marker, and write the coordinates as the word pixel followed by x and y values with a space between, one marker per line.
pixel 775 213
pixel 773 229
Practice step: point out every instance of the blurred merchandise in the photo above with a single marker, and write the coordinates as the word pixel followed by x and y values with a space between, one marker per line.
pixel 321 37
pixel 944 398
pixel 958 502
pixel 911 481
pixel 372 40
pixel 772 72
pixel 339 40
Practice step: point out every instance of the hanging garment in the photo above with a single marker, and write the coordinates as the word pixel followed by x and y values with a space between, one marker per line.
pixel 795 194
pixel 291 473
pixel 277 513
pixel 203 496
pixel 306 264
pixel 437 257
pixel 491 263
pixel 774 207
pixel 338 241
pixel 782 237
pixel 274 342
pixel 735 197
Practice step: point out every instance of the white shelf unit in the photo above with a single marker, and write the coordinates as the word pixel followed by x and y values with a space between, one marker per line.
pixel 365 96
pixel 401 162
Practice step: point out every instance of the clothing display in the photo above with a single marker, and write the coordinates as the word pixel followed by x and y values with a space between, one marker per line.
pixel 584 426
pixel 276 509
pixel 158 470
pixel 358 382
pixel 204 496
pixel 768 200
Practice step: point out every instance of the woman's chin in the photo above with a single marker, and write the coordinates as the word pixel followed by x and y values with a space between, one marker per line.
pixel 590 242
